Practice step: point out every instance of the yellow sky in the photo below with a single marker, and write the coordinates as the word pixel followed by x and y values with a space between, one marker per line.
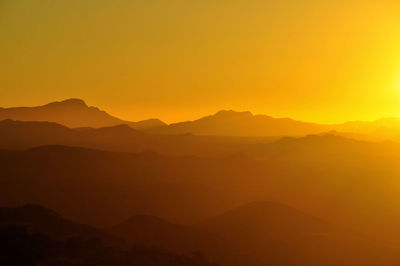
pixel 323 61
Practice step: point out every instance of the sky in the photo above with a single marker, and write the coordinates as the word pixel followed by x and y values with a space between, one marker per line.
pixel 321 61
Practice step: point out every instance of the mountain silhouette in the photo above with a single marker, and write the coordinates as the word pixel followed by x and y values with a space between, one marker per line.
pixel 49 222
pixel 154 231
pixel 383 129
pixel 260 233
pixel 35 235
pixel 75 113
pixel 123 184
pixel 232 123
pixel 257 233
pixel 343 180
pixel 121 138
pixel 72 113
pixel 270 233
pixel 346 181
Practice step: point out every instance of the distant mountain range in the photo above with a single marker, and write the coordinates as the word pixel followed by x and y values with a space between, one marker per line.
pixel 72 113
pixel 231 123
pixel 121 138
pixel 75 113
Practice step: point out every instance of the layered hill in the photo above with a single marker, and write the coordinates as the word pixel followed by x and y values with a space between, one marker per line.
pixel 257 233
pixel 269 233
pixel 108 187
pixel 121 138
pixel 35 235
pixel 346 181
pixel 49 222
pixel 261 233
pixel 72 113
pixel 154 231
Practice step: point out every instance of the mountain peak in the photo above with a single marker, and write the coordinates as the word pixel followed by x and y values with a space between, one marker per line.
pixel 27 213
pixel 73 113
pixel 71 102
pixel 144 220
pixel 232 113
pixel 38 209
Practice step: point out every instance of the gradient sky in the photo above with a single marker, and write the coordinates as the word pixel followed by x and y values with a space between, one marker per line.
pixel 323 61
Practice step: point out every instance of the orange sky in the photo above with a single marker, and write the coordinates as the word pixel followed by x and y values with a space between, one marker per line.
pixel 323 61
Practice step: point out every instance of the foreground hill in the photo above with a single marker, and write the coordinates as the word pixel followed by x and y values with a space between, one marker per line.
pixel 72 113
pixel 34 235
pixel 44 220
pixel 154 231
pixel 258 233
pixel 261 233
pixel 187 239
pixel 281 235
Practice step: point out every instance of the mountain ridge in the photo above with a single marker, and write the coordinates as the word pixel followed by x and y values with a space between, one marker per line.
pixel 72 113
pixel 234 123
pixel 76 113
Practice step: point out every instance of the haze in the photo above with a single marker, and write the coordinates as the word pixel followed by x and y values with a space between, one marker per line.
pixel 200 133
pixel 321 61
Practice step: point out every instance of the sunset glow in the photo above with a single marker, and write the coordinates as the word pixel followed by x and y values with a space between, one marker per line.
pixel 322 61
pixel 200 132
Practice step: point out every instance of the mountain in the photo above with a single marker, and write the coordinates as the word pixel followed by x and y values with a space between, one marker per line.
pixel 345 181
pixel 384 128
pixel 260 233
pixel 257 233
pixel 121 138
pixel 35 235
pixel 270 233
pixel 72 113
pixel 232 123
pixel 154 231
pixel 75 113
pixel 49 222
pixel 107 187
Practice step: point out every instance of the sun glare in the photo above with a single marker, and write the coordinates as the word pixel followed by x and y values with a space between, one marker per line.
pixel 397 84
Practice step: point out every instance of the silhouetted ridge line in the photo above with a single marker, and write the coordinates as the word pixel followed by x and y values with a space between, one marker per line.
pixel 233 123
pixel 34 235
pixel 73 102
pixel 73 113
